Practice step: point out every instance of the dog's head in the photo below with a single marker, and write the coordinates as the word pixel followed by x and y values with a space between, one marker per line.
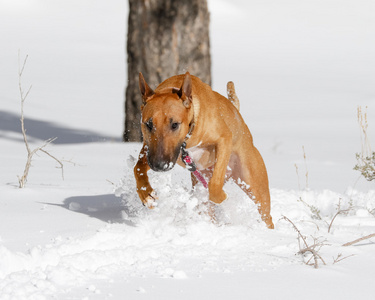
pixel 166 118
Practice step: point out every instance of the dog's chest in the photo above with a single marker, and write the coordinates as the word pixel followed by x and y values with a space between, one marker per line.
pixel 203 157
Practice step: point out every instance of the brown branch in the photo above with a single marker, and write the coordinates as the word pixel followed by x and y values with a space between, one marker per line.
pixel 359 240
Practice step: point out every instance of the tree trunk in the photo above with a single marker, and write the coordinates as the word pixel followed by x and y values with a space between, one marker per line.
pixel 165 38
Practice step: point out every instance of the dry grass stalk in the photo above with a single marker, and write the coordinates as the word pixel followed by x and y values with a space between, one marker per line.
pixel 30 153
pixel 299 185
pixel 307 172
pixel 363 124
pixel 314 210
pixel 366 158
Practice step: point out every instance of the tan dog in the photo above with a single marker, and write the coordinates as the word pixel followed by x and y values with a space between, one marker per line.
pixel 184 109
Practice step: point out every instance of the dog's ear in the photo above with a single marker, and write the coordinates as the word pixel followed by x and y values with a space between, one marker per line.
pixel 146 91
pixel 185 91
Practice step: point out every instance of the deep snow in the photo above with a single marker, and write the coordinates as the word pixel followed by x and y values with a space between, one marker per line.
pixel 301 68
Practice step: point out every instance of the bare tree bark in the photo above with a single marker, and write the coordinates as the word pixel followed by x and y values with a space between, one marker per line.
pixel 165 38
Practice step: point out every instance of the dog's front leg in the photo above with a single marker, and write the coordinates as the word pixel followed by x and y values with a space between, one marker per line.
pixel 223 151
pixel 144 189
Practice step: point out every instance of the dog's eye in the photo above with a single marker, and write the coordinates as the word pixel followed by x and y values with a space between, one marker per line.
pixel 149 125
pixel 175 126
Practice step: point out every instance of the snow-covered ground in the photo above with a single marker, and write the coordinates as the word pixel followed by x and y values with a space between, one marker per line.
pixel 301 68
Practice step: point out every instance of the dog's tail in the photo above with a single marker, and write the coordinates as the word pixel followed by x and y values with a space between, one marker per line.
pixel 232 95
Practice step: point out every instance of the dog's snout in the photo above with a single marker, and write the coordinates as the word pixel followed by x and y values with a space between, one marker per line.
pixel 160 165
pixel 163 166
pixel 161 160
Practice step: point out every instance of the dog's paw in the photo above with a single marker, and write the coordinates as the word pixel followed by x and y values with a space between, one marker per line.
pixel 218 197
pixel 148 196
pixel 150 201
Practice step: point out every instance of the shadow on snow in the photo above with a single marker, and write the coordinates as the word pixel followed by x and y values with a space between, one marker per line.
pixel 43 130
pixel 107 208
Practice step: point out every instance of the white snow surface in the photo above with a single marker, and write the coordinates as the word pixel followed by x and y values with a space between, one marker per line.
pixel 301 68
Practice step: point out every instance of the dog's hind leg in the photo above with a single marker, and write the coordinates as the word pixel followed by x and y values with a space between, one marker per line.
pixel 249 173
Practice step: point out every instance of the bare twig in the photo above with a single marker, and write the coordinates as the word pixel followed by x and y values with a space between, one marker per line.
pixel 315 252
pixel 58 161
pixel 359 240
pixel 311 249
pixel 339 212
pixel 30 153
pixel 315 255
pixel 340 258
pixel 296 229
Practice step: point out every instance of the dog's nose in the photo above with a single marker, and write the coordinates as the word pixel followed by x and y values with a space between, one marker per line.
pixel 161 166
